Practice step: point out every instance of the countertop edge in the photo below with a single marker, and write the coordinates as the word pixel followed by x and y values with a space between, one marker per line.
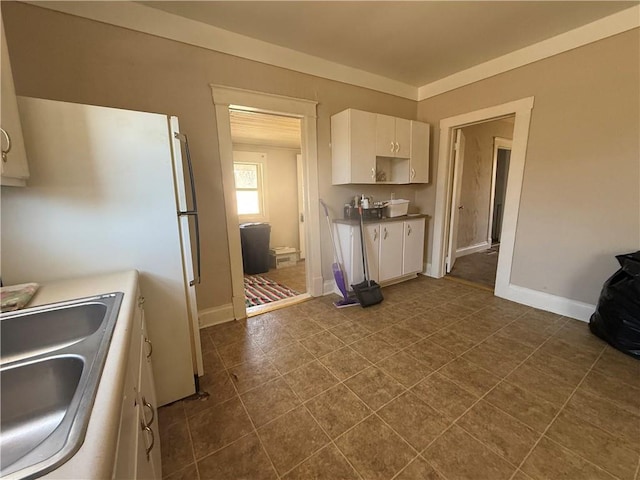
pixel 356 221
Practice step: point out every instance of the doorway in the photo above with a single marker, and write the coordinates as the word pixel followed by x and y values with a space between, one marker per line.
pixel 269 182
pixel 305 110
pixel 480 161
pixel 444 204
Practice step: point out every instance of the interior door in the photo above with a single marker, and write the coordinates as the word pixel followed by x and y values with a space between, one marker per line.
pixel 458 164
pixel 301 226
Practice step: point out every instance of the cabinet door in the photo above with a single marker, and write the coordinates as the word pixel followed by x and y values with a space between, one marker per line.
pixel 362 134
pixel 372 239
pixel 391 236
pixel 149 410
pixel 419 163
pixel 385 136
pixel 403 138
pixel 413 247
pixel 14 170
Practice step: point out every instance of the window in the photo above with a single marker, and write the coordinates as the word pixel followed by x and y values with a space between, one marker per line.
pixel 249 180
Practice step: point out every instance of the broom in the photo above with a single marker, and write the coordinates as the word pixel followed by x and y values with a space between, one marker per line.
pixel 367 292
pixel 338 273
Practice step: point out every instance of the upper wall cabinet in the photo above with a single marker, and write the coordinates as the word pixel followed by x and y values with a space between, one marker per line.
pixel 14 169
pixel 373 148
pixel 393 137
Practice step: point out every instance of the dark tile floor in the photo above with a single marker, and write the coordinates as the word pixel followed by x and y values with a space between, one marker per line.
pixel 478 267
pixel 440 381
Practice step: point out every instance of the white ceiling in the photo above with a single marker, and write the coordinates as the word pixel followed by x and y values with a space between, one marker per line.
pixel 414 42
pixel 252 128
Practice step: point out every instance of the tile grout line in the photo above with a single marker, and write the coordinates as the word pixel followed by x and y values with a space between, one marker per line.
pixel 482 397
pixel 372 364
pixel 244 407
pixel 555 418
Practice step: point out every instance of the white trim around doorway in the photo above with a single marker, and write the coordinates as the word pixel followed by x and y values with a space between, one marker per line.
pixel 522 110
pixel 223 98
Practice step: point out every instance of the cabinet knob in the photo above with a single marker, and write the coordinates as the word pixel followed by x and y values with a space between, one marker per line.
pixel 386 234
pixel 393 146
pixel 148 342
pixel 375 234
pixel 413 173
pixel 140 300
pixel 373 173
pixel 5 151
pixel 151 409
pixel 408 230
pixel 397 147
pixel 146 428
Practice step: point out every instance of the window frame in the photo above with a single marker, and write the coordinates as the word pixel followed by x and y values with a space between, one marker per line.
pixel 260 160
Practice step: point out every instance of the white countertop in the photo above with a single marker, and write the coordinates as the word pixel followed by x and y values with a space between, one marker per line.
pixel 95 458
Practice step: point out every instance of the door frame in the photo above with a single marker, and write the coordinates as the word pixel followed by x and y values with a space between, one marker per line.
pixel 302 220
pixel 442 215
pixel 504 144
pixel 305 110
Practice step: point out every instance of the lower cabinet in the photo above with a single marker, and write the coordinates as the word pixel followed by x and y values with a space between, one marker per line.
pixel 138 451
pixel 394 249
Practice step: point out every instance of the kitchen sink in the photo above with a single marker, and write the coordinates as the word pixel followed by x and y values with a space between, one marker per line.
pixel 50 367
pixel 27 334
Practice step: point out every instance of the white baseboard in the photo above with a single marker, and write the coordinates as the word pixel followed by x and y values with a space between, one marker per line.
pixel 215 315
pixel 548 302
pixel 329 287
pixel 478 247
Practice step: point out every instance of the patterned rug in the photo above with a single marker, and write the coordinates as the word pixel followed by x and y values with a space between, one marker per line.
pixel 259 290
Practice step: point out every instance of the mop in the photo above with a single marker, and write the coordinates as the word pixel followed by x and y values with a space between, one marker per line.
pixel 338 273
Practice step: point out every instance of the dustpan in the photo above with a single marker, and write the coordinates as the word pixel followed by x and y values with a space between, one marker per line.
pixel 368 292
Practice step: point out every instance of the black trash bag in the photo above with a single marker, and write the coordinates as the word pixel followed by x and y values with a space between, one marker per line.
pixel 617 316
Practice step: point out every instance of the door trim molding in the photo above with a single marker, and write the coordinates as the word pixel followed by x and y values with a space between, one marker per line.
pixel 223 97
pixel 522 110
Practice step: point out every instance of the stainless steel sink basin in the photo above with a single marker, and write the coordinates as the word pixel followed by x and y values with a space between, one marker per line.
pixel 27 334
pixel 50 366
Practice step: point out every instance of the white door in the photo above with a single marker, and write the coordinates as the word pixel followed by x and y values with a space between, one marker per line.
pixel 403 138
pixel 413 248
pixel 372 239
pixel 391 237
pixel 301 226
pixel 385 136
pixel 455 199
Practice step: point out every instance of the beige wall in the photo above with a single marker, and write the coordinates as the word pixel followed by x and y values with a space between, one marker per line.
pixel 281 190
pixel 61 57
pixel 580 199
pixel 477 172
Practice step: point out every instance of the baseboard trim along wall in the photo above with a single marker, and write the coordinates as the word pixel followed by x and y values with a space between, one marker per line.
pixel 478 247
pixel 215 315
pixel 548 302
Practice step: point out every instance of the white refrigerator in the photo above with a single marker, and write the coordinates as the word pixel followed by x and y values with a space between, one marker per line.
pixel 107 193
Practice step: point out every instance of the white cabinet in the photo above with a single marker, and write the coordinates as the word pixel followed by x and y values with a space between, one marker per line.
pixel 390 253
pixel 394 249
pixel 138 451
pixel 412 246
pixel 371 148
pixel 419 161
pixel 393 137
pixel 353 143
pixel 13 166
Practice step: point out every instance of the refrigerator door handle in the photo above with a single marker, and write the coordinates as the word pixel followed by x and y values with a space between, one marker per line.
pixel 194 211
